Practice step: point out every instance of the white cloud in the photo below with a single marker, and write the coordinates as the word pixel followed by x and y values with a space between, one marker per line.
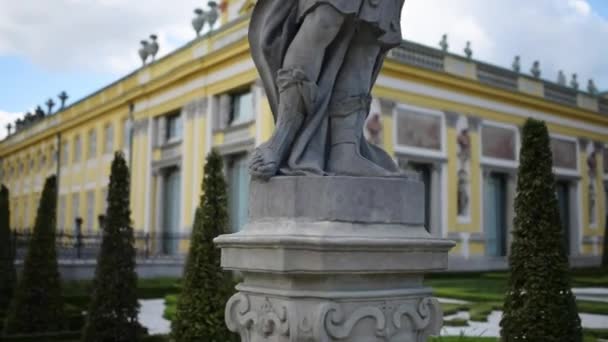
pixel 104 35
pixel 6 118
pixel 561 34
pixel 99 35
pixel 581 6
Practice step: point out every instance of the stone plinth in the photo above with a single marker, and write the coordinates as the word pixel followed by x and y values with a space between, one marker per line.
pixel 334 259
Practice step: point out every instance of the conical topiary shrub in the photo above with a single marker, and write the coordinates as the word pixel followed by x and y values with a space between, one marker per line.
pixel 7 256
pixel 37 305
pixel 206 288
pixel 113 310
pixel 539 304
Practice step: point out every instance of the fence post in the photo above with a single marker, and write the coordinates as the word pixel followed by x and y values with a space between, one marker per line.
pixel 78 237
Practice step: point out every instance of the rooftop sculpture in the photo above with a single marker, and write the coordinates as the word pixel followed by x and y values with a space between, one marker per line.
pixel 205 17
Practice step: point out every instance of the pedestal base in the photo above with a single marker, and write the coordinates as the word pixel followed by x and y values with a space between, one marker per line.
pixel 334 259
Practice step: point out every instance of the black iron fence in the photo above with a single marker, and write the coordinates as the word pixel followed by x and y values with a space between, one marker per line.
pixel 83 246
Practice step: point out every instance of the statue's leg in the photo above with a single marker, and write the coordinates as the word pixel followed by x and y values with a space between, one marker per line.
pixel 350 107
pixel 297 86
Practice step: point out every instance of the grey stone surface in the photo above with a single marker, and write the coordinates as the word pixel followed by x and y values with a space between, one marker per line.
pixel 334 259
pixel 318 61
pixel 343 199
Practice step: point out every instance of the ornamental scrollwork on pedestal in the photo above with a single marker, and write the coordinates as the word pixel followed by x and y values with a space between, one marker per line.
pixel 339 326
pixel 249 320
pixel 425 319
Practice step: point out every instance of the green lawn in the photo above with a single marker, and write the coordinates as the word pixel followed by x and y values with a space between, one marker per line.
pixel 485 291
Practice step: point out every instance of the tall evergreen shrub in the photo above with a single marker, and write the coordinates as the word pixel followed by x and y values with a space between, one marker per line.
pixel 539 304
pixel 37 305
pixel 206 288
pixel 113 310
pixel 8 276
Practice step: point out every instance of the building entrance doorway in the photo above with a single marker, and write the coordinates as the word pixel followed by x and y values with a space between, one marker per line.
pixel 171 208
pixel 238 190
pixel 495 214
pixel 563 200
pixel 425 172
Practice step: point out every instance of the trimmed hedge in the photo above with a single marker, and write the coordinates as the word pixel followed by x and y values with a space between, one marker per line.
pixel 206 288
pixel 62 336
pixel 113 309
pixel 37 304
pixel 8 274
pixel 539 303
pixel 68 336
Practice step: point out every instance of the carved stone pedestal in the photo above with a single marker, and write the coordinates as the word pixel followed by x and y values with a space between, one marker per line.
pixel 334 259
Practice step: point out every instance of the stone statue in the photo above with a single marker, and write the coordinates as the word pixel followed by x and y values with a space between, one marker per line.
pixel 318 61
pixel 468 51
pixel 444 43
pixel 374 129
pixel 535 71
pixel 574 82
pixel 517 64
pixel 561 78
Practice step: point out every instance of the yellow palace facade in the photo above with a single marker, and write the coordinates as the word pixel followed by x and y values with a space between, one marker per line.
pixel 453 119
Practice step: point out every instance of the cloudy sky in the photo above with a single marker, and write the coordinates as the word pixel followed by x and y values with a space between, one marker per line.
pixel 81 45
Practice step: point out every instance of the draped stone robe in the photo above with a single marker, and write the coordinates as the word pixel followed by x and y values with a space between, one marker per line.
pixel 274 25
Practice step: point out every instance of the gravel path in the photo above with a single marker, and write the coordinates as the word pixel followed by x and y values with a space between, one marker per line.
pixel 151 316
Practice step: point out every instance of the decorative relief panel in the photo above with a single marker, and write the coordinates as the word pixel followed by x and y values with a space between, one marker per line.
pixel 498 142
pixel 564 154
pixel 419 130
pixel 260 318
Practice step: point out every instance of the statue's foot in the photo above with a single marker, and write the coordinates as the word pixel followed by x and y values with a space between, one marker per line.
pixel 344 160
pixel 264 162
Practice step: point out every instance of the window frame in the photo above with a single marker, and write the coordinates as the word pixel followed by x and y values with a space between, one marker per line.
pixel 169 137
pixel 92 144
pixel 235 105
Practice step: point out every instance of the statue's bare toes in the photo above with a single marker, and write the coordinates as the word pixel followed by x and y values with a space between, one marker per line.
pixel 264 171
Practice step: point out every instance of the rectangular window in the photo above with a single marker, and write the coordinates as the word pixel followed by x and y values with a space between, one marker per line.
pixel 241 108
pixel 108 139
pixel 41 162
pixel 53 158
pixel 92 153
pixel 126 134
pixel 65 150
pixel 174 128
pixel 90 220
pixel 77 150
pixel 104 201
pixel 26 214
